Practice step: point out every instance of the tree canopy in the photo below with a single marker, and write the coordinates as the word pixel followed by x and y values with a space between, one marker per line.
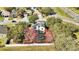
pixel 32 18
pixel 17 32
pixel 64 39
pixel 46 11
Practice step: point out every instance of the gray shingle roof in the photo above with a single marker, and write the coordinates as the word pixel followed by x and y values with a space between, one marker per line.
pixel 3 29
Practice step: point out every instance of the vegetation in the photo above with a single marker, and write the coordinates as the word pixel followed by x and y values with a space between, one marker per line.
pixel 32 18
pixel 61 12
pixel 1 18
pixel 64 39
pixel 46 11
pixel 77 37
pixel 8 8
pixel 2 41
pixel 17 32
pixel 66 35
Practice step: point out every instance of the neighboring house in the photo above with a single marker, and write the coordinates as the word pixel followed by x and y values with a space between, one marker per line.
pixel 6 16
pixel 6 13
pixel 24 19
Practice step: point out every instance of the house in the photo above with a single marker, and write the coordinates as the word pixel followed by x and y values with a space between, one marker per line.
pixel 40 25
pixel 5 13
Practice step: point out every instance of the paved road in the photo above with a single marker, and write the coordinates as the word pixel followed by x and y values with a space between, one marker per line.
pixel 68 20
pixel 70 12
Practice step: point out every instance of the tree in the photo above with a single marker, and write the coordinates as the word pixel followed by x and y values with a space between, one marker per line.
pixel 46 11
pixel 17 32
pixel 64 39
pixel 63 34
pixel 20 12
pixel 32 18
pixel 8 8
pixel 52 20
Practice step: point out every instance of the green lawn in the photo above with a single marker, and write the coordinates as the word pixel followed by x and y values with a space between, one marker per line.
pixel 29 48
pixel 61 12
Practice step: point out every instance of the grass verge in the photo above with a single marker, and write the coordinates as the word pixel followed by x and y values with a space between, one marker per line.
pixel 61 12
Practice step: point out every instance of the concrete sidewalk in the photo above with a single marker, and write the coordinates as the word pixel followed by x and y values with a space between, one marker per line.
pixel 33 44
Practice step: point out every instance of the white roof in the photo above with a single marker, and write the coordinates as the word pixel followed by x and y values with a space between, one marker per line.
pixel 6 13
